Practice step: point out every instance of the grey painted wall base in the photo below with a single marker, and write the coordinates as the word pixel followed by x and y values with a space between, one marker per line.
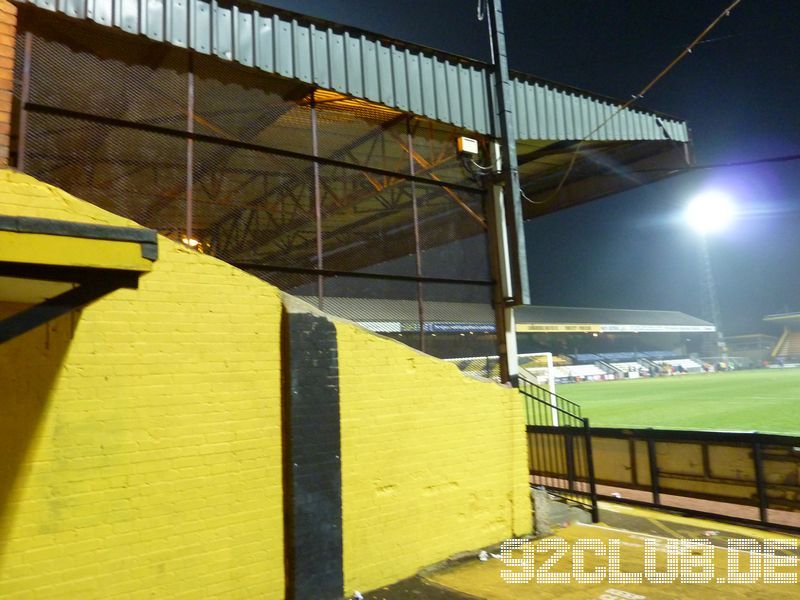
pixel 312 460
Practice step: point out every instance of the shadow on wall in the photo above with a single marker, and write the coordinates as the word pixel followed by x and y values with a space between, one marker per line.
pixel 29 365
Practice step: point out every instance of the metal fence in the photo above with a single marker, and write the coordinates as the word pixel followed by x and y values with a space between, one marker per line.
pixel 560 455
pixel 749 477
pixel 321 194
pixel 744 476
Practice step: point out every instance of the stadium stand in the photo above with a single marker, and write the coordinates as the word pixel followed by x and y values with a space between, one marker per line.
pixel 689 365
pixel 755 348
pixel 581 372
pixel 627 366
pixel 621 356
pixel 788 346
pixel 592 368
pixel 626 356
pixel 789 349
pixel 660 355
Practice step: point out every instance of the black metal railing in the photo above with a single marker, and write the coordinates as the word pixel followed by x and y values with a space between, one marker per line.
pixel 560 456
pixel 543 407
pixel 734 476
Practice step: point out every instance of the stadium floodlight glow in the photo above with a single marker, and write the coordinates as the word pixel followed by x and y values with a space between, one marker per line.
pixel 710 211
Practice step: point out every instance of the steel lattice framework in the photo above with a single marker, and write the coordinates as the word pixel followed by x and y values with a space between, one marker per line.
pixel 312 189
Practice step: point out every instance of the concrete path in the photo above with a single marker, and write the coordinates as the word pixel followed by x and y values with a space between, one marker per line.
pixel 714 566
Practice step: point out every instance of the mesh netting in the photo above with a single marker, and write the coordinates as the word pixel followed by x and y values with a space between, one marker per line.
pixel 303 187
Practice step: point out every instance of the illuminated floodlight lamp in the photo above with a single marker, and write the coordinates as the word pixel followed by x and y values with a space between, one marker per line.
pixel 710 212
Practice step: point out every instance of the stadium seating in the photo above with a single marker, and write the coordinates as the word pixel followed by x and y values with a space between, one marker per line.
pixel 585 372
pixel 617 364
pixel 619 356
pixel 789 346
pixel 688 364
pixel 627 366
pixel 660 355
pixel 626 356
pixel 585 358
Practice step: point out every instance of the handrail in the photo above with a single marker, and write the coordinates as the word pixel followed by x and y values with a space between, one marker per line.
pixel 545 428
pixel 561 404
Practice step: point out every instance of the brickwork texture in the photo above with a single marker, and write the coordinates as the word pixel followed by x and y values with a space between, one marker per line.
pixel 433 463
pixel 141 441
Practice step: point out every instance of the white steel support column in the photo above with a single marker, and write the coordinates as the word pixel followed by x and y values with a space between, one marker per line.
pixel 504 295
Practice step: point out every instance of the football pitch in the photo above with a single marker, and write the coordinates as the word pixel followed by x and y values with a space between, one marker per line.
pixel 765 400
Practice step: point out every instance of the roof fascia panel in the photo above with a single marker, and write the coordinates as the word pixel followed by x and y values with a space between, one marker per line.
pixel 409 78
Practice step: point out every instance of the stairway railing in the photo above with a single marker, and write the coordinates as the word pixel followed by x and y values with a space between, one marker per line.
pixel 559 446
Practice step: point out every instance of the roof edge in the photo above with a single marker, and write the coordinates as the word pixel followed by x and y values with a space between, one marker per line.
pixel 402 75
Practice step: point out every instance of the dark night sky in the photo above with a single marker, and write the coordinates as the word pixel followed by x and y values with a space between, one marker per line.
pixel 739 92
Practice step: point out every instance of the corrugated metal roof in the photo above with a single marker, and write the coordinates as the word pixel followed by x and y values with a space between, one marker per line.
pixel 402 76
pixel 545 111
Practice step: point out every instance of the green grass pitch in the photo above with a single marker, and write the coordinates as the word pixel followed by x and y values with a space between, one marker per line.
pixel 765 400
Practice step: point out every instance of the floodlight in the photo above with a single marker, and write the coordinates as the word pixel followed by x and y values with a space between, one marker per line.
pixel 710 211
pixel 467 146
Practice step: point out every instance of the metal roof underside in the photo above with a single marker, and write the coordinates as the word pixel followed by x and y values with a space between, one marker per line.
pixel 409 78
pixel 380 310
pixel 615 316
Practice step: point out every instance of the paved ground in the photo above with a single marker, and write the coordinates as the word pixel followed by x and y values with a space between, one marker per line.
pixel 418 588
pixel 634 528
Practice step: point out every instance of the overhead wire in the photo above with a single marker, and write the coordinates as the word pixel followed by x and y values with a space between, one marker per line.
pixel 623 58
pixel 635 97
pixel 727 165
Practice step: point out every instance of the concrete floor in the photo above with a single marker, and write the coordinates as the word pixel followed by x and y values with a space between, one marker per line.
pixel 473 579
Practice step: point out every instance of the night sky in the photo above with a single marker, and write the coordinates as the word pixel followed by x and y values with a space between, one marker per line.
pixel 739 92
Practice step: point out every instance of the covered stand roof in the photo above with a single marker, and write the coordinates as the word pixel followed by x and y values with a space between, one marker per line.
pixel 563 319
pixel 389 316
pixel 349 74
pixel 397 74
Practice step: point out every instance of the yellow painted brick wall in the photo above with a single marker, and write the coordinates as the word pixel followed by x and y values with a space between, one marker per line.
pixel 140 441
pixel 433 462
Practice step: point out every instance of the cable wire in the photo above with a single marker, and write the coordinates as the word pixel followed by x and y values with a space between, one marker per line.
pixel 625 58
pixel 727 165
pixel 531 200
pixel 691 168
pixel 483 13
pixel 640 95
pixel 480 166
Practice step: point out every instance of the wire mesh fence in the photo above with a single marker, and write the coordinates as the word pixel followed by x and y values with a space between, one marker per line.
pixel 322 195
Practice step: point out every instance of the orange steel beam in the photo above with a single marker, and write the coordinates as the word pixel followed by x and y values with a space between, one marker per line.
pixel 425 164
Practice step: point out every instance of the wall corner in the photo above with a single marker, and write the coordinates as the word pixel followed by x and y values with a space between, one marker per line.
pixel 8 33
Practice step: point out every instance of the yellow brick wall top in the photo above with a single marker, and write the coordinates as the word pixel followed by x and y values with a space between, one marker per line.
pixel 23 196
pixel 433 462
